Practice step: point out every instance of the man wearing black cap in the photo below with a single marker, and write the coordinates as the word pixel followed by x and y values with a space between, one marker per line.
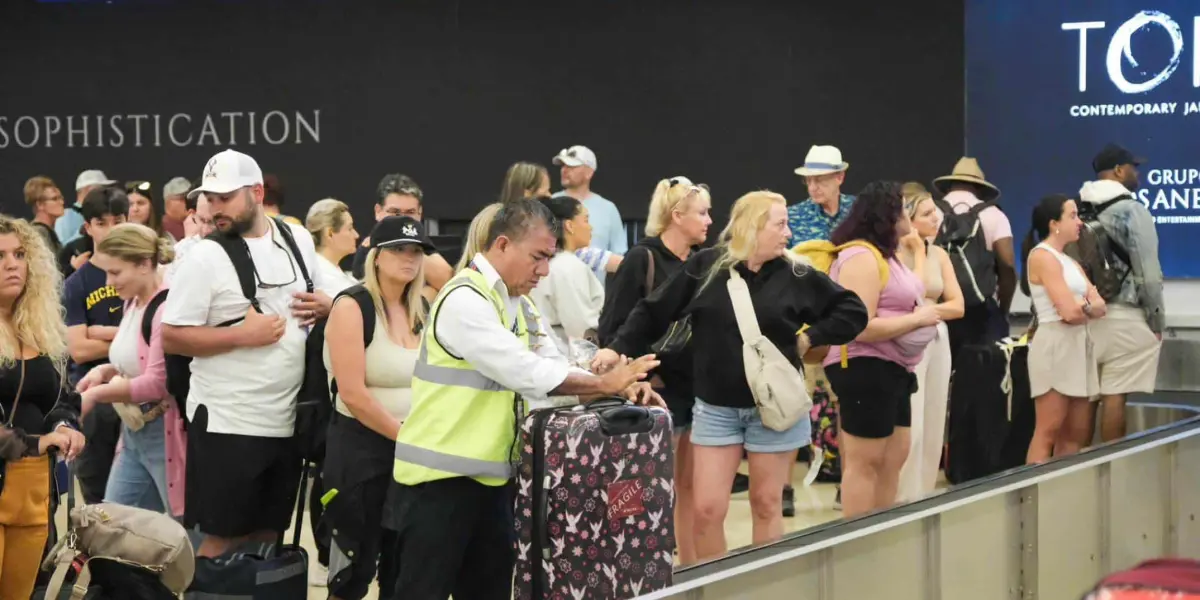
pixel 1127 340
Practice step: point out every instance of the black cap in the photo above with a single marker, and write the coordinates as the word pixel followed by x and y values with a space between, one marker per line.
pixel 397 231
pixel 1113 156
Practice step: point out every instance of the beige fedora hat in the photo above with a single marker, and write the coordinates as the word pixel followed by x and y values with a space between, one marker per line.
pixel 822 160
pixel 967 170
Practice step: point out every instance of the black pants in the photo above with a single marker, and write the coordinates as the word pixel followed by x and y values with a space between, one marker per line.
pixel 102 430
pixel 462 531
pixel 320 530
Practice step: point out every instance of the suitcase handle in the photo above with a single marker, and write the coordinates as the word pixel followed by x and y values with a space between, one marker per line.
pixel 603 403
pixel 625 420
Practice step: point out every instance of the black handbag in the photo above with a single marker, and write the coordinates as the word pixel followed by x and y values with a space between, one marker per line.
pixel 679 334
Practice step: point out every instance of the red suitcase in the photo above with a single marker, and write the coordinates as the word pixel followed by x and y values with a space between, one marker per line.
pixel 595 503
pixel 1159 579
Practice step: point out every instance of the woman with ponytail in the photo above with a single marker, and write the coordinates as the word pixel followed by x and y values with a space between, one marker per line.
pixel 1063 376
pixel 797 308
pixel 149 469
pixel 677 224
pixel 331 226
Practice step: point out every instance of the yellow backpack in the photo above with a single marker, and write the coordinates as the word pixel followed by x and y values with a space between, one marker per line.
pixel 821 254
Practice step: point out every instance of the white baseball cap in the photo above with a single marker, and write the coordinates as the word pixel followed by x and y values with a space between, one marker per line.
pixel 227 171
pixel 575 156
pixel 92 177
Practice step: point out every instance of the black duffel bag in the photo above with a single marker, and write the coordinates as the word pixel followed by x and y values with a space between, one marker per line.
pixel 991 412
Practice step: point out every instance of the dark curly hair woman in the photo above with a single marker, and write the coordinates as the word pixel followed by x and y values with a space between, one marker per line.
pixel 873 375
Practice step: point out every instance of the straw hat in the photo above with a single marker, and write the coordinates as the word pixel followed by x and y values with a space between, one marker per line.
pixel 967 170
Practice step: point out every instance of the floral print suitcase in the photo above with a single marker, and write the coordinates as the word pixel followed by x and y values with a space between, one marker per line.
pixel 595 503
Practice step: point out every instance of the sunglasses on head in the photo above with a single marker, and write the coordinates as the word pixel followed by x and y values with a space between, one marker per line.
pixel 137 186
pixel 695 187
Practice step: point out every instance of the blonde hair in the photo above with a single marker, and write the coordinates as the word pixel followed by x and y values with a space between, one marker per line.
pixel 411 299
pixel 327 214
pixel 134 243
pixel 38 319
pixel 914 194
pixel 522 180
pixel 670 195
pixel 477 235
pixel 739 240
pixel 35 187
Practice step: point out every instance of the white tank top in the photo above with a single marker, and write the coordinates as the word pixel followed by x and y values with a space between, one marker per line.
pixel 389 372
pixel 1072 274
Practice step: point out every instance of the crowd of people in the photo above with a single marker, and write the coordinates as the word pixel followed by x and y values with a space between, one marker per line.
pixel 173 381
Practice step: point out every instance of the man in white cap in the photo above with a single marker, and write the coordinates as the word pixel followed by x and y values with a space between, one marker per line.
pixel 824 172
pixel 70 225
pixel 243 465
pixel 578 167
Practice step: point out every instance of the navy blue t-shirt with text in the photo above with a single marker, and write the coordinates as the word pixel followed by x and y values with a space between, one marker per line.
pixel 89 300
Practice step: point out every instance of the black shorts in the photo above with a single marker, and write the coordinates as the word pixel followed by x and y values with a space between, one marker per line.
pixel 874 396
pixel 239 484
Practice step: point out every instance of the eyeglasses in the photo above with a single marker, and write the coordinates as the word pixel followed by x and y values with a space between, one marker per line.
pixel 137 186
pixel 262 285
pixel 695 187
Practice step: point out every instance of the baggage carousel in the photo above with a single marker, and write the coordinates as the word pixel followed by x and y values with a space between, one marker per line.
pixel 1046 531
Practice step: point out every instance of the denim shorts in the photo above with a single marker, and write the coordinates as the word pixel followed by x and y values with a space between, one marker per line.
pixel 723 426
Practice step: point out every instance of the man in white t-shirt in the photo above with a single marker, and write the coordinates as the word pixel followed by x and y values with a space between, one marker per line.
pixel 243 467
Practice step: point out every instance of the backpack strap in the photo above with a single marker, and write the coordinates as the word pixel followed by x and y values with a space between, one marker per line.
pixel 148 317
pixel 649 272
pixel 982 206
pixel 285 230
pixel 366 305
pixel 1103 206
pixel 239 254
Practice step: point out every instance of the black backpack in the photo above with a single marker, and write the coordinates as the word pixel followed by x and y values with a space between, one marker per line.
pixel 1104 261
pixel 961 236
pixel 317 391
pixel 179 367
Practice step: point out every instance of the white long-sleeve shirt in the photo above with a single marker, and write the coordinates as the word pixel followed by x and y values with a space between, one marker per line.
pixel 467 327
pixel 570 297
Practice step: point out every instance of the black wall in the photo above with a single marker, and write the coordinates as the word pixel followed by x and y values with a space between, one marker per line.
pixel 731 93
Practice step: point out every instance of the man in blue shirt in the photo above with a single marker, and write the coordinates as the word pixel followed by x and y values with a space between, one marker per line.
pixel 578 167
pixel 823 171
pixel 94 313
pixel 67 226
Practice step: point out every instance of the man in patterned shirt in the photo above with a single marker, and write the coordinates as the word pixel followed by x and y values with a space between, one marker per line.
pixel 824 172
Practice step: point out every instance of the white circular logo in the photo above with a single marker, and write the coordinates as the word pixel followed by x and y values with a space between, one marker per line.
pixel 1120 45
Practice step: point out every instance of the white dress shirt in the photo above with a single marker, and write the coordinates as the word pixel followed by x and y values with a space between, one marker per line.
pixel 467 327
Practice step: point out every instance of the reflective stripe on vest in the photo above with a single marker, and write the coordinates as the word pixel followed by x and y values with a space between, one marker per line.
pixel 462 422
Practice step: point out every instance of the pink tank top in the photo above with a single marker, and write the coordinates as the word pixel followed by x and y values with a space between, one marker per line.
pixel 903 293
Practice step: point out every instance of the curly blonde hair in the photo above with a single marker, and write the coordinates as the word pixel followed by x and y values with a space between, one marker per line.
pixel 38 318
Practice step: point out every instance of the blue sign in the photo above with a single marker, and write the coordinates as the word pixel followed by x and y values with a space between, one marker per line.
pixel 1050 83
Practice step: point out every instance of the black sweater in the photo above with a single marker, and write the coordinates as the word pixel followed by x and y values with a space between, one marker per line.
pixel 785 297
pixel 622 294
pixel 44 402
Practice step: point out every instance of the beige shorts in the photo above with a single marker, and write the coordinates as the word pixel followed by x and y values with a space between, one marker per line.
pixel 1061 358
pixel 1126 351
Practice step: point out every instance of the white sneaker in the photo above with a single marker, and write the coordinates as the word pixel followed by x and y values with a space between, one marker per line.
pixel 318 576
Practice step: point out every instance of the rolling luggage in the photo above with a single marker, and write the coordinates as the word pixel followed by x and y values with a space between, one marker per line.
pixel 595 502
pixel 278 573
pixel 1159 579
pixel 991 411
